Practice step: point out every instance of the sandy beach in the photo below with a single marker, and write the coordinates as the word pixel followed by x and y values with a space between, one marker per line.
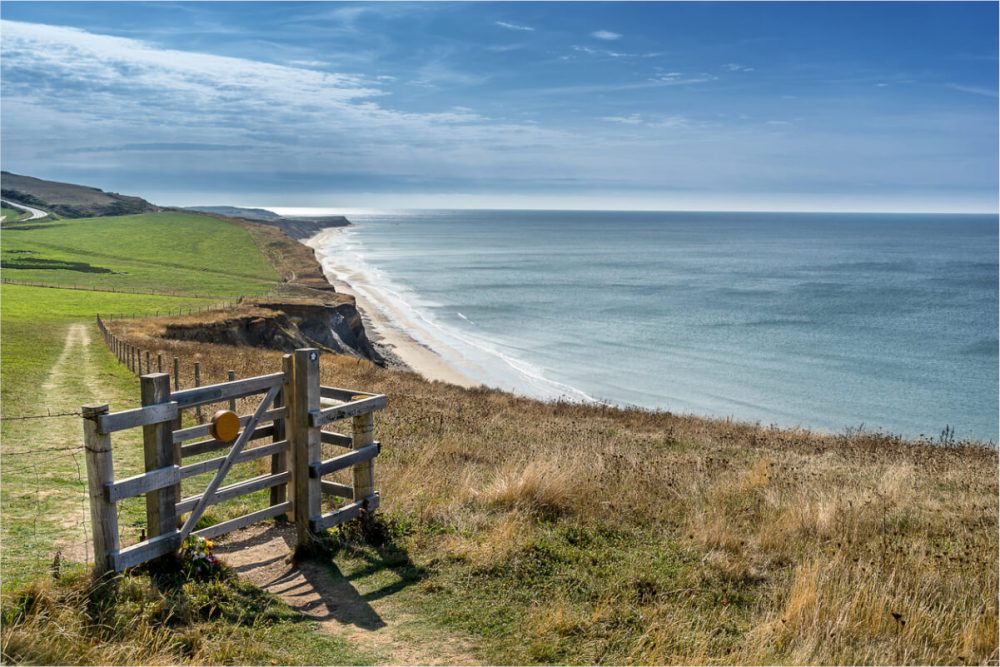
pixel 387 330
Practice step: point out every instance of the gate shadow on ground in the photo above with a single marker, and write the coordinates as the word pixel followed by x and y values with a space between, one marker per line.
pixel 317 587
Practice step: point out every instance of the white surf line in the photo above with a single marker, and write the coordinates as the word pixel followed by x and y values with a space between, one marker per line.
pixel 35 212
pixel 412 323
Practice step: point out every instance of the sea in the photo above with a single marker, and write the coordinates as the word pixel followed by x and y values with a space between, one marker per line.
pixel 828 321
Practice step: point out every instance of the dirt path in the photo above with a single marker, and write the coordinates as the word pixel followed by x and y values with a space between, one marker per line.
pixel 62 371
pixel 72 381
pixel 373 623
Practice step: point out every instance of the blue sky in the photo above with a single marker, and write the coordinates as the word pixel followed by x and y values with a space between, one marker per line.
pixel 767 106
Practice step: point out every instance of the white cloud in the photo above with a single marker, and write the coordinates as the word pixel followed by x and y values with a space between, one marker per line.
pixel 606 35
pixel 631 119
pixel 658 121
pixel 514 26
pixel 312 64
pixel 109 107
pixel 590 51
pixel 736 67
pixel 974 90
pixel 115 91
pixel 677 79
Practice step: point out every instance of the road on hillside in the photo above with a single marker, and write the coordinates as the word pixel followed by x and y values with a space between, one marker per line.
pixel 35 212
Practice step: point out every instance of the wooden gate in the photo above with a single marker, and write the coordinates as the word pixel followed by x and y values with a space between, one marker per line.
pixel 292 411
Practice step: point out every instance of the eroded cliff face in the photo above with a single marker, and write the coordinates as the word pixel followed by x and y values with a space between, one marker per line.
pixel 282 325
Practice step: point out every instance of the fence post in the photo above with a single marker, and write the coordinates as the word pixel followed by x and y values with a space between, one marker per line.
pixel 197 383
pixel 149 368
pixel 100 471
pixel 231 375
pixel 279 462
pixel 177 374
pixel 363 473
pixel 159 362
pixel 159 452
pixel 305 441
pixel 131 358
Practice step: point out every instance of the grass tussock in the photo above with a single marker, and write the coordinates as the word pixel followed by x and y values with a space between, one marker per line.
pixel 556 532
pixel 132 620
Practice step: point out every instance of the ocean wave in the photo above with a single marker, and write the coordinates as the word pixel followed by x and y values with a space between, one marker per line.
pixel 488 362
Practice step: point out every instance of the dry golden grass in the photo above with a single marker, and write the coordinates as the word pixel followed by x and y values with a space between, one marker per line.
pixel 784 546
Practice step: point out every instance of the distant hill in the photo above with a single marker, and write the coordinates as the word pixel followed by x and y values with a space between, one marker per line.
pixel 67 200
pixel 237 212
pixel 298 227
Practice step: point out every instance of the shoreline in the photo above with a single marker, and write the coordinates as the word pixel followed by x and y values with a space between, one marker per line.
pixel 389 322
pixel 397 346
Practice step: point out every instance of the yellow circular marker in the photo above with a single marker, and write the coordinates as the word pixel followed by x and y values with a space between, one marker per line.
pixel 225 425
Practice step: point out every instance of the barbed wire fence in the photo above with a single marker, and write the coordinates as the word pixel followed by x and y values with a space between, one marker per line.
pixel 45 509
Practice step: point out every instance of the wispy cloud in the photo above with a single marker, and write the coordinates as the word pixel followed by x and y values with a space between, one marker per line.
pixel 613 54
pixel 657 121
pixel 631 119
pixel 514 26
pixel 736 67
pixel 974 90
pixel 606 35
pixel 678 78
pixel 655 82
pixel 121 92
pixel 307 63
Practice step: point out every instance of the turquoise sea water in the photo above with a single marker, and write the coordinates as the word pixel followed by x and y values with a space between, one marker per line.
pixel 828 321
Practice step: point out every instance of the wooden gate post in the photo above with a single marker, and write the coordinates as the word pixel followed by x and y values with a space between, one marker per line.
pixel 363 473
pixel 100 471
pixel 304 442
pixel 160 452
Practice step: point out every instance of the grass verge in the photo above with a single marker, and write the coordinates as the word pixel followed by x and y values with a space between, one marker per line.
pixel 133 620
pixel 560 533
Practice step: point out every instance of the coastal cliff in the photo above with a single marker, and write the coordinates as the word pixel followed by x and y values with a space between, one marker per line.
pixel 297 227
pixel 281 325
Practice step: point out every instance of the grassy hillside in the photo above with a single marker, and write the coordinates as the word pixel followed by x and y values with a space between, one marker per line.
pixel 182 253
pixel 9 214
pixel 53 361
pixel 559 533
pixel 68 200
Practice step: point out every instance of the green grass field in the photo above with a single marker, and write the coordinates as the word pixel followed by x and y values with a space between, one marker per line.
pixel 176 253
pixel 7 213
pixel 53 359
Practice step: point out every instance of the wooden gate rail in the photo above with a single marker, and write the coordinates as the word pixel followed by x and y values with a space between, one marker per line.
pixel 293 409
pixel 358 406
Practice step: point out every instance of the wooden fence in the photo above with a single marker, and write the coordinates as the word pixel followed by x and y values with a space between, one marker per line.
pixel 290 416
pixel 136 360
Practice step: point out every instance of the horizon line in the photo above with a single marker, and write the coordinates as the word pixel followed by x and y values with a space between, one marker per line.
pixel 337 210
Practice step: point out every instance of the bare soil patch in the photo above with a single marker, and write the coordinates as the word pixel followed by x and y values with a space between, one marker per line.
pixel 262 555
